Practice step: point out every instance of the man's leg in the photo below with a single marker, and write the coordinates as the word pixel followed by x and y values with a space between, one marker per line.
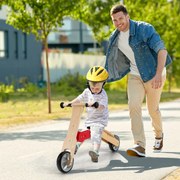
pixel 136 94
pixel 152 100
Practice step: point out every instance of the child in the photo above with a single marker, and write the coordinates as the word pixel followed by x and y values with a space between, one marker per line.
pixel 97 119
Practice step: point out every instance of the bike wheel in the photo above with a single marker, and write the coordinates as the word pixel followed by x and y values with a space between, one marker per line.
pixel 62 162
pixel 112 147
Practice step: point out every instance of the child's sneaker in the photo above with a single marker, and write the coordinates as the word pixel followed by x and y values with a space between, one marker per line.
pixel 158 145
pixel 94 156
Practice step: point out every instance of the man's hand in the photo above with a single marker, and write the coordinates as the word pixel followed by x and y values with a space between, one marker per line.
pixel 157 81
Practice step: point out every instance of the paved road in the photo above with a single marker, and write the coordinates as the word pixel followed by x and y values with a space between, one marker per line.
pixel 29 153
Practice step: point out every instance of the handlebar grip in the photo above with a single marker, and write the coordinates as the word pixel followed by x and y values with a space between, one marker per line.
pixel 63 106
pixel 69 105
pixel 96 105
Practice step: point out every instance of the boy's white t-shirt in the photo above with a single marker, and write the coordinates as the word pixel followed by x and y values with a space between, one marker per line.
pixel 95 116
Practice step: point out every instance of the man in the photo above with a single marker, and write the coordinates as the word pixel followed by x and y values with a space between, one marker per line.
pixel 136 48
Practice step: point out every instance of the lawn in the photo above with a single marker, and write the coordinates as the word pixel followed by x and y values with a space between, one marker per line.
pixel 20 110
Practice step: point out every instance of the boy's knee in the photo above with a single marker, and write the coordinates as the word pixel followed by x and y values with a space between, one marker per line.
pixel 96 133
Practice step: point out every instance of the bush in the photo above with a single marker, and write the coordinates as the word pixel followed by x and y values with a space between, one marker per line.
pixel 5 91
pixel 70 84
pixel 117 85
pixel 74 84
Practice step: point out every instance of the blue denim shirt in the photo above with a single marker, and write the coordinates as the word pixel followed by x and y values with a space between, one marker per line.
pixel 145 43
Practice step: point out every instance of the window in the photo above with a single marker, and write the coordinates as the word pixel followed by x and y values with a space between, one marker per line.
pixel 16 44
pixel 3 44
pixel 24 45
pixel 66 28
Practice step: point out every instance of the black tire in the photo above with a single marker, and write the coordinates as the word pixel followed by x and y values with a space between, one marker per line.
pixel 112 147
pixel 62 161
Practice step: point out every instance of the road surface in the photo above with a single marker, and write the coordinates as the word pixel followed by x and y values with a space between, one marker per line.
pixel 30 152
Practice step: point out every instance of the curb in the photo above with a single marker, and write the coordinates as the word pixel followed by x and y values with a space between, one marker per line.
pixel 175 175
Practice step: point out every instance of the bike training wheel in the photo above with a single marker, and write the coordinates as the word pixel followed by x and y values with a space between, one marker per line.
pixel 62 162
pixel 112 147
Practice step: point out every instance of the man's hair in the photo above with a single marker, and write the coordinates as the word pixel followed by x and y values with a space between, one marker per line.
pixel 118 8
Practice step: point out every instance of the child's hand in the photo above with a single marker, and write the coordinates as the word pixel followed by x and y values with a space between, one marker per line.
pixel 63 104
pixel 95 105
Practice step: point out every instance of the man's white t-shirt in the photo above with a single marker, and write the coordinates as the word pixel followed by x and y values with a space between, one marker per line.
pixel 123 45
pixel 95 116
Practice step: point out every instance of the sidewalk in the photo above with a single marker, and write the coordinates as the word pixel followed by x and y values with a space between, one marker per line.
pixel 170 113
pixel 175 175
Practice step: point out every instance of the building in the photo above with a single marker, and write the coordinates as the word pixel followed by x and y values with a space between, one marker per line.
pixel 20 54
pixel 74 36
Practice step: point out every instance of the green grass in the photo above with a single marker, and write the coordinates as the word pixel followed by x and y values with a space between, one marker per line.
pixel 26 108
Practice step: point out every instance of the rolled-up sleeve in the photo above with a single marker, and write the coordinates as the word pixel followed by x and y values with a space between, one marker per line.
pixel 153 38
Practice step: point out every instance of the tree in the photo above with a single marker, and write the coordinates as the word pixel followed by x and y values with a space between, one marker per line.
pixel 40 17
pixel 172 35
pixel 95 13
pixel 2 2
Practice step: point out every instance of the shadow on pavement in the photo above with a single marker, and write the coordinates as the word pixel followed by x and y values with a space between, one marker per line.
pixel 137 164
pixel 58 135
pixel 40 135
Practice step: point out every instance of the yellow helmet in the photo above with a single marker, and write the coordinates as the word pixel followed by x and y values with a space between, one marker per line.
pixel 97 74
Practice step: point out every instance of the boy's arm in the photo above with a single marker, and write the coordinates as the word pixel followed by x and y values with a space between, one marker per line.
pixel 73 102
pixel 76 100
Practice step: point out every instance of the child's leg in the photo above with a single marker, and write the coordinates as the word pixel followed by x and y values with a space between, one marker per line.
pixel 78 144
pixel 96 133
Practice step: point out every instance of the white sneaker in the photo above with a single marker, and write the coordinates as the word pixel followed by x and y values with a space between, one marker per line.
pixel 158 145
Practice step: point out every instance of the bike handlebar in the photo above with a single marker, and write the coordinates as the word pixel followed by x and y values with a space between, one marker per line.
pixel 95 105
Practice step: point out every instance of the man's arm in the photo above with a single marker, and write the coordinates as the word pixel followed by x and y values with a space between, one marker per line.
pixel 157 79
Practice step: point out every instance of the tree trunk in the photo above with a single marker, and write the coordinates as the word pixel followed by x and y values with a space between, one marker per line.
pixel 48 76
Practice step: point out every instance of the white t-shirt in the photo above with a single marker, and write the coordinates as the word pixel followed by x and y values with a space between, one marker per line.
pixel 95 116
pixel 123 45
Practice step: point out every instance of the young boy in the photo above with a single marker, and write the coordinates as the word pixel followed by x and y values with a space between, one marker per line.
pixel 97 119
